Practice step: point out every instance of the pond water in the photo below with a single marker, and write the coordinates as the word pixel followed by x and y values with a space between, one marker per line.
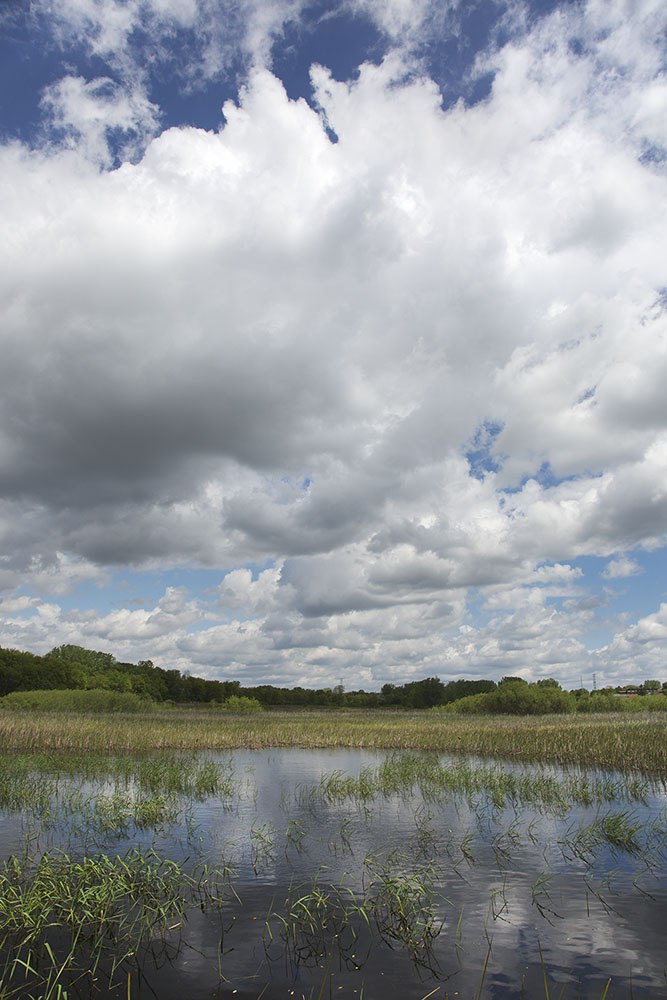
pixel 363 874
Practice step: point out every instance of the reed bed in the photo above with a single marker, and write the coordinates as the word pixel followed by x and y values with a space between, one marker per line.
pixel 102 910
pixel 129 793
pixel 405 773
pixel 76 924
pixel 614 741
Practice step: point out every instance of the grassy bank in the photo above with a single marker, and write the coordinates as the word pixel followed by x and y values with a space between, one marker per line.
pixel 637 743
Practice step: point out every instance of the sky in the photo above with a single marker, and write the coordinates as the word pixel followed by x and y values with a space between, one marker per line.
pixel 333 337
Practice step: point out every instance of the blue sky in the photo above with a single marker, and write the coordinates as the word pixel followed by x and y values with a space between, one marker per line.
pixel 334 337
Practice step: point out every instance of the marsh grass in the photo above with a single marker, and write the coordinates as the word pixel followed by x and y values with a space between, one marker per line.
pixel 170 772
pixel 318 918
pixel 64 920
pixel 330 920
pixel 262 845
pixel 113 796
pixel 401 897
pixel 407 773
pixel 613 741
pixel 397 899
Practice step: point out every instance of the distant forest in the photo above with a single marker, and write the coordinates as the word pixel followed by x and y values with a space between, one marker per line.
pixel 72 667
pixel 75 668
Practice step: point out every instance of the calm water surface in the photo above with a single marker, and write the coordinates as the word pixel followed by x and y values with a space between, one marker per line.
pixel 461 898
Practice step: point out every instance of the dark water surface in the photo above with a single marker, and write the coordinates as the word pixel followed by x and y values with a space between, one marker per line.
pixel 398 895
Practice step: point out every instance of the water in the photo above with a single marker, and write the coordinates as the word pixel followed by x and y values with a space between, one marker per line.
pixel 401 895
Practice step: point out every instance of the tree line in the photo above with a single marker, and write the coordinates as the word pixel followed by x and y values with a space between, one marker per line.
pixel 70 667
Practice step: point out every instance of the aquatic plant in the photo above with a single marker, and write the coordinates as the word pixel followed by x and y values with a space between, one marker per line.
pixel 401 898
pixel 262 845
pixel 102 911
pixel 146 792
pixel 408 773
pixel 316 919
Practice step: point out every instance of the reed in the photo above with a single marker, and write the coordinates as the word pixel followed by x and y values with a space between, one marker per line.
pixel 102 911
pixel 396 905
pixel 146 792
pixel 404 774
pixel 615 741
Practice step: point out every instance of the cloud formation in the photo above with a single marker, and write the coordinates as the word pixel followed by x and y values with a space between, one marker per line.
pixel 414 368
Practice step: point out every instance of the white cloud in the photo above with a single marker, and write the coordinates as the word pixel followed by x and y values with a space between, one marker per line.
pixel 133 36
pixel 620 568
pixel 87 116
pixel 638 651
pixel 258 345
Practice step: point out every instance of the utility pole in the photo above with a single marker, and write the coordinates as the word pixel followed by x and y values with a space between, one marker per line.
pixel 595 683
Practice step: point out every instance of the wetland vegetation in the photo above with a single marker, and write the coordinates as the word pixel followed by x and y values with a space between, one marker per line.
pixel 236 846
pixel 328 854
pixel 629 742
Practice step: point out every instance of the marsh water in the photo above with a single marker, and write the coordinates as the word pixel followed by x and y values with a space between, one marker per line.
pixel 364 874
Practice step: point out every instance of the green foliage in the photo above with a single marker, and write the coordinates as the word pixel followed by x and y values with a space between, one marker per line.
pixel 241 705
pixel 69 668
pixel 431 692
pixel 94 700
pixel 514 696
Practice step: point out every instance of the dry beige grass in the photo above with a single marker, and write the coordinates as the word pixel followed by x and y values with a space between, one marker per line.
pixel 637 743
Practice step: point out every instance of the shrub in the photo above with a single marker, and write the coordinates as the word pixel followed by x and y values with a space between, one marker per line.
pixel 94 700
pixel 241 705
pixel 516 697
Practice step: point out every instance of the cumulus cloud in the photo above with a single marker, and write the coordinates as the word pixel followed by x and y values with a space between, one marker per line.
pixel 637 650
pixel 91 116
pixel 136 35
pixel 419 364
pixel 621 568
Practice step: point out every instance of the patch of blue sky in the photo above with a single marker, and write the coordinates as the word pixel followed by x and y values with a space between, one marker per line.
pixel 202 625
pixel 28 64
pixel 328 35
pixel 479 453
pixel 136 589
pixel 477 614
pixel 546 477
pixel 635 595
pixel 450 57
pixel 652 153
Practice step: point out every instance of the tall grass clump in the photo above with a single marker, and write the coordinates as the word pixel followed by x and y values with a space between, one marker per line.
pixel 405 773
pixel 64 920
